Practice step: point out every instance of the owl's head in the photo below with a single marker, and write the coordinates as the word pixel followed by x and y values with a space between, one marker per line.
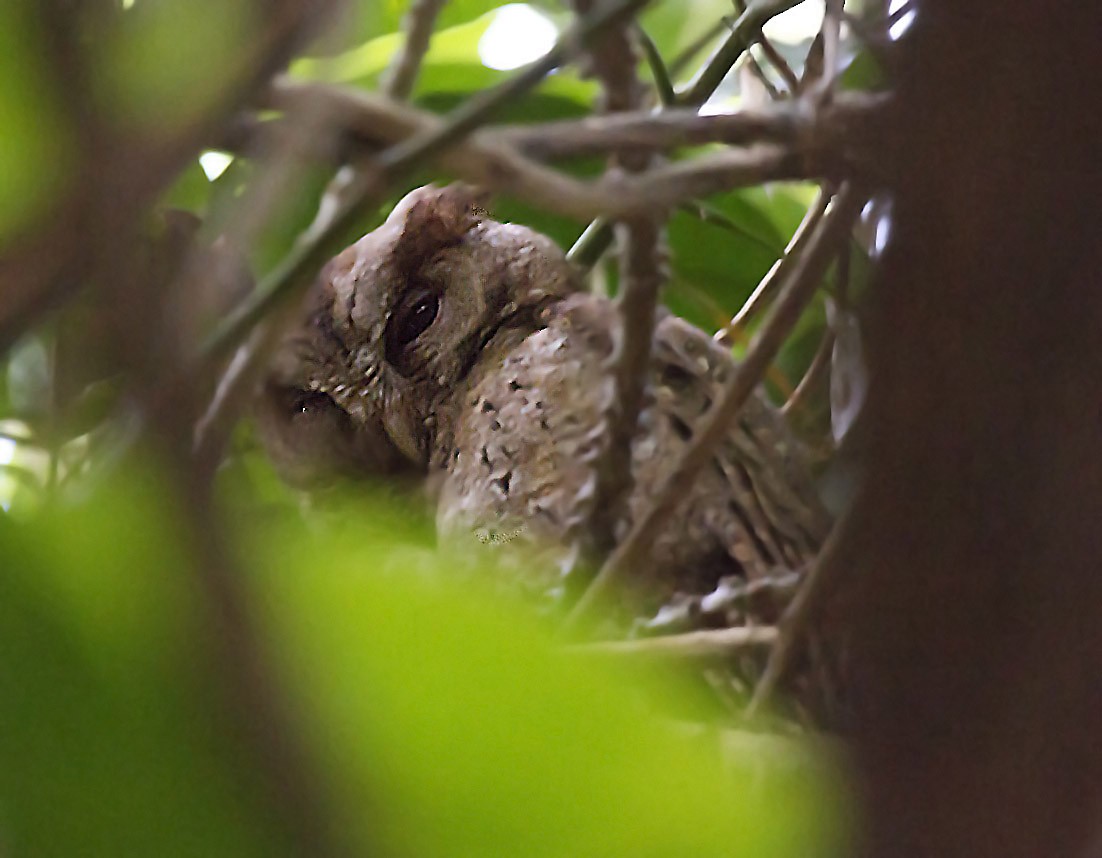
pixel 393 326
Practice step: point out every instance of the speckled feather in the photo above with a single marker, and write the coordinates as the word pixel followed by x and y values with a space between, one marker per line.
pixel 498 404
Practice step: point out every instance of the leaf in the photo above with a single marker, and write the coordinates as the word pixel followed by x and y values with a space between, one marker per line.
pixel 370 19
pixel 191 191
pixel 35 149
pixel 722 263
pixel 111 741
pixel 445 721
pixel 864 72
pixel 489 740
pixel 674 26
pixel 168 62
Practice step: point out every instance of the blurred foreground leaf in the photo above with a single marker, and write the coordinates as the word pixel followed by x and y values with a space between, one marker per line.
pixel 170 61
pixel 34 150
pixel 446 722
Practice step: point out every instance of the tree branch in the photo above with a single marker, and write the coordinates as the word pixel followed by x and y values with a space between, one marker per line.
pixel 418 23
pixel 634 551
pixel 797 618
pixel 116 179
pixel 744 32
pixel 298 269
pixel 714 644
pixel 778 273
pixel 642 264
pixel 486 160
pixel 852 114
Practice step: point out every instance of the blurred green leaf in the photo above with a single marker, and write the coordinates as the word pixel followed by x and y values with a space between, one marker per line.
pixel 451 67
pixel 110 738
pixel 451 48
pixel 34 146
pixel 479 738
pixel 169 61
pixel 675 26
pixel 370 19
pixel 445 721
pixel 191 191
pixel 864 72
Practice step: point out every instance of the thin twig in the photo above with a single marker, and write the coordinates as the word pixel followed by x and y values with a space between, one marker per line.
pixel 297 270
pixel 713 644
pixel 797 617
pixel 761 76
pixel 832 39
pixel 820 363
pixel 418 24
pixel 778 273
pixel 590 246
pixel 663 86
pixel 744 32
pixel 850 114
pixel 791 79
pixel 642 274
pixel 634 551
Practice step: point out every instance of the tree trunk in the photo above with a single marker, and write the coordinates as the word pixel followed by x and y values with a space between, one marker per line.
pixel 977 628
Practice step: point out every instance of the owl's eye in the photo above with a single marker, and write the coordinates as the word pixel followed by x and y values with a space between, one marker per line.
pixel 411 319
pixel 310 402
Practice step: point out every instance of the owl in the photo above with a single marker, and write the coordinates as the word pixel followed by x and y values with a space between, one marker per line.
pixel 462 354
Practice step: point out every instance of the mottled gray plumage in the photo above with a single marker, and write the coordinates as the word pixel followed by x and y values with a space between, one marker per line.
pixel 461 351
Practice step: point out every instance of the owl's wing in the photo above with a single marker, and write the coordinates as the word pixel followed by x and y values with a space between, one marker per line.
pixel 531 424
pixel 774 516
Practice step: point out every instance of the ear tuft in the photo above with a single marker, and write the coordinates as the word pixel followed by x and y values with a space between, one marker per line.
pixel 434 217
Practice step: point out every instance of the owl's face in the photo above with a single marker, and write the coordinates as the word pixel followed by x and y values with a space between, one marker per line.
pixel 394 325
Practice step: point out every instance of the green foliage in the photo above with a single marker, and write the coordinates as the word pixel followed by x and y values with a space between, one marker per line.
pixel 168 62
pixel 446 722
pixel 34 146
pixel 111 741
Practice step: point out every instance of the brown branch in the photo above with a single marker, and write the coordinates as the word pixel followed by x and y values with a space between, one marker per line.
pixel 715 644
pixel 744 32
pixel 774 56
pixel 791 79
pixel 418 23
pixel 831 35
pixel 634 552
pixel 852 121
pixel 642 263
pixel 117 178
pixel 299 268
pixel 485 160
pixel 852 114
pixel 761 76
pixel 797 617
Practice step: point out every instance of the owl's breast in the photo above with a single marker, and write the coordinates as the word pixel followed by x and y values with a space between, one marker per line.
pixel 526 431
pixel 525 435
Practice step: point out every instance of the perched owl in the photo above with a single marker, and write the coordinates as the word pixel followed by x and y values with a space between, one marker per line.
pixel 461 352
